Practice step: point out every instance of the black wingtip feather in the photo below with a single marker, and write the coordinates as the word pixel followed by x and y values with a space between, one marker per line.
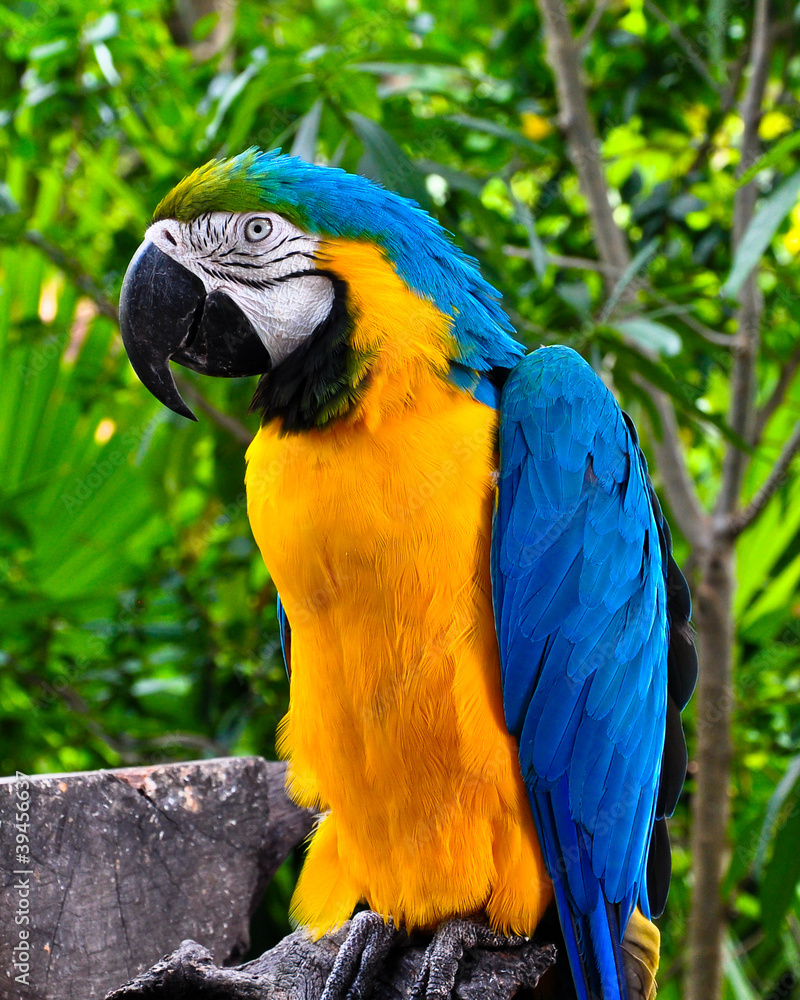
pixel 681 679
pixel 659 868
pixel 673 763
pixel 681 663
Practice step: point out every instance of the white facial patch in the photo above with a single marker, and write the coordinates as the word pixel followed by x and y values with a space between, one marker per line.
pixel 259 260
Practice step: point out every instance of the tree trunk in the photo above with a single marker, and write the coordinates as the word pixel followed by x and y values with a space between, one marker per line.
pixel 711 800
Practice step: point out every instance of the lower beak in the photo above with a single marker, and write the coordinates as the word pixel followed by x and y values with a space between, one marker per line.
pixel 165 313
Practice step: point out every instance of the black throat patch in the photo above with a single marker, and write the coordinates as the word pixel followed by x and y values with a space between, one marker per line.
pixel 321 379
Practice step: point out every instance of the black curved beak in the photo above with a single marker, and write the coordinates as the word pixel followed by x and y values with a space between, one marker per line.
pixel 165 313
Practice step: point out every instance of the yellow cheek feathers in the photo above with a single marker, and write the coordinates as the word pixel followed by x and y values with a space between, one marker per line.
pixel 402 337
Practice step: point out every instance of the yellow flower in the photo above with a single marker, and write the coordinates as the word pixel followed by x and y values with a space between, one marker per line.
pixel 534 127
pixel 634 21
pixel 105 430
pixel 773 124
pixel 792 239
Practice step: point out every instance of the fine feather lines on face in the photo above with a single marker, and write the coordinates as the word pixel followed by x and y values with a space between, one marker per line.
pixel 256 258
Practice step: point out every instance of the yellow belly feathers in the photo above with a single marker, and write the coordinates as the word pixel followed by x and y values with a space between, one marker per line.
pixel 376 530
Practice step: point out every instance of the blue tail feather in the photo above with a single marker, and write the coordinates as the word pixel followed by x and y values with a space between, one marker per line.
pixel 591 938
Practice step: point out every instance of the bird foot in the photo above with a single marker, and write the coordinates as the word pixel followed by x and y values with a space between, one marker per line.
pixel 361 957
pixel 440 964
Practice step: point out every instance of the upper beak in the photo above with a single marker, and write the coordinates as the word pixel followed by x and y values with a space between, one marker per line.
pixel 165 313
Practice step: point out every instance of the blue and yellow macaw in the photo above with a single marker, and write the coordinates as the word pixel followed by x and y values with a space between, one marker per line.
pixel 487 634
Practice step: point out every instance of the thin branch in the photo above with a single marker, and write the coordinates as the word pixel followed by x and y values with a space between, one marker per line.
pixel 689 50
pixel 600 7
pixel 557 259
pixel 712 336
pixel 742 416
pixel 726 105
pixel 679 486
pixel 191 393
pixel 586 264
pixel 744 518
pixel 73 270
pixel 582 139
pixel 629 283
pixel 612 246
pixel 88 285
pixel 785 379
pixel 578 263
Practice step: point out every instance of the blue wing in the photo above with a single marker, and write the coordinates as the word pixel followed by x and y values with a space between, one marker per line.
pixel 581 569
pixel 286 636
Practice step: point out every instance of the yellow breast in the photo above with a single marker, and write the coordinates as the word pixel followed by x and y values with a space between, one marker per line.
pixel 376 531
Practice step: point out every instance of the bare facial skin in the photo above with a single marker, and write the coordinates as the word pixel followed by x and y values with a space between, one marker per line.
pixel 263 262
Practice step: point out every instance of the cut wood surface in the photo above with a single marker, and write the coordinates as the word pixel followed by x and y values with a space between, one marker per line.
pixel 126 864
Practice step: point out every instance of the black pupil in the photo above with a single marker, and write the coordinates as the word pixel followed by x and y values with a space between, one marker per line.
pixel 257 228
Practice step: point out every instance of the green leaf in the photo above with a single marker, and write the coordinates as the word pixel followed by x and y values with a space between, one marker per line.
pixel 640 260
pixel 101 30
pixel 760 232
pixel 204 25
pixel 500 131
pixel 8 204
pixel 735 974
pixel 458 179
pixel 782 871
pixel 577 295
pixel 658 375
pixel 788 787
pixel 539 255
pixel 779 594
pixel 258 58
pixel 783 146
pixel 305 139
pixel 161 685
pixel 762 548
pixel 650 334
pixel 386 162
pixel 717 19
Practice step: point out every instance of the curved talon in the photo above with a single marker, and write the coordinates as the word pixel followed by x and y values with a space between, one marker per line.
pixel 437 977
pixel 360 958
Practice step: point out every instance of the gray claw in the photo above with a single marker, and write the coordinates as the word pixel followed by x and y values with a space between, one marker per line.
pixel 437 977
pixel 361 957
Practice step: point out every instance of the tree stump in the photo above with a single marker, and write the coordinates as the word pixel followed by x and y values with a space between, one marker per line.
pixel 126 864
pixel 104 872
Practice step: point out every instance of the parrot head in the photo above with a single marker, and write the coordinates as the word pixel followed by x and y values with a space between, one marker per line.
pixel 237 276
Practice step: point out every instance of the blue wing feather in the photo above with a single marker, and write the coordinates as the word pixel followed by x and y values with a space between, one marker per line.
pixel 580 563
pixel 286 637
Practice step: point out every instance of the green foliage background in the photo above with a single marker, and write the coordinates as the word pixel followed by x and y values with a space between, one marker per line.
pixel 137 621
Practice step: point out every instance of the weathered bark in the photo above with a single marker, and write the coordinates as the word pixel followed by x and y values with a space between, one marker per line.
pixel 125 864
pixel 711 799
pixel 297 970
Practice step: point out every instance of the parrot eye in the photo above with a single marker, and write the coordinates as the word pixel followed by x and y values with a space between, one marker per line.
pixel 257 229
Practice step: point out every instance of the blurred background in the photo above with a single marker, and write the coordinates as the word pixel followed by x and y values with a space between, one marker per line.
pixel 137 621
